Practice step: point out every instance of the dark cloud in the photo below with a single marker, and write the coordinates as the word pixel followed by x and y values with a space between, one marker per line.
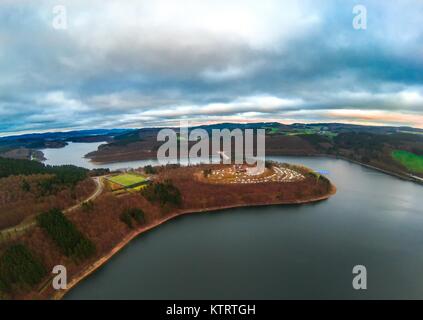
pixel 150 63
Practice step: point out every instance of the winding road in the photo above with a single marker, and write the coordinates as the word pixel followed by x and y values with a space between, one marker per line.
pixel 11 233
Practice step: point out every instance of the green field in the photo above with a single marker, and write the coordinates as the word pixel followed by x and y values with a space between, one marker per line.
pixel 409 160
pixel 127 179
pixel 302 132
pixel 411 132
pixel 270 130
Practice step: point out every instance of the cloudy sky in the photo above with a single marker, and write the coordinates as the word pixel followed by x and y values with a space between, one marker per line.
pixel 145 63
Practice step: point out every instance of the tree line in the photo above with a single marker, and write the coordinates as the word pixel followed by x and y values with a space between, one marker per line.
pixel 128 216
pixel 166 194
pixel 66 175
pixel 65 234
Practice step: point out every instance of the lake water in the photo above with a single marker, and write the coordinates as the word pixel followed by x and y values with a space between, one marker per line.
pixel 275 252
pixel 74 154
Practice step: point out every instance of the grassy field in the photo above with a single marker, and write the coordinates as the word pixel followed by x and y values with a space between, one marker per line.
pixel 409 160
pixel 301 132
pixel 270 130
pixel 127 179
pixel 412 132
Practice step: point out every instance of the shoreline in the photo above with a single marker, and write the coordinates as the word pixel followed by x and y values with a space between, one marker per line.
pixel 406 177
pixel 58 295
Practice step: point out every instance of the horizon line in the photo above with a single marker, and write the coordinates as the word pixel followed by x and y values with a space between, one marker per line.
pixel 67 130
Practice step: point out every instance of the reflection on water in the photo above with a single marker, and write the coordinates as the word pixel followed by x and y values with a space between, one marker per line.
pixel 277 252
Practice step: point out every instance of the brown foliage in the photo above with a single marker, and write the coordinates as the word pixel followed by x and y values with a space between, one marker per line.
pixel 102 223
pixel 21 197
pixel 200 195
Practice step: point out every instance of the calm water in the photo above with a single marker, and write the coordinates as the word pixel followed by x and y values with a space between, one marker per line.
pixel 74 153
pixel 277 252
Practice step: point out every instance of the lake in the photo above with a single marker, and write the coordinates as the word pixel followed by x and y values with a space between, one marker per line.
pixel 275 252
pixel 74 154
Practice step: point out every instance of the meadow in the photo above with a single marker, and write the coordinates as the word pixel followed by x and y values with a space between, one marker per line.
pixel 409 160
pixel 127 179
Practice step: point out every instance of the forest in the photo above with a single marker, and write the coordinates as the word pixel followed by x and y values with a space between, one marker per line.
pixel 9 167
pixel 19 269
pixel 65 234
pixel 22 196
pixel 164 193
pixel 128 216
pixel 64 175
pixel 28 187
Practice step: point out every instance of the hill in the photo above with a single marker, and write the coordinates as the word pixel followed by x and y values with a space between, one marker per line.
pixel 369 145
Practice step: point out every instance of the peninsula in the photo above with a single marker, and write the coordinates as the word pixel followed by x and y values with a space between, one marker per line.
pixel 126 204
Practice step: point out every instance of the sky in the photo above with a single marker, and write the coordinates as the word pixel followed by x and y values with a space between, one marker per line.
pixel 131 64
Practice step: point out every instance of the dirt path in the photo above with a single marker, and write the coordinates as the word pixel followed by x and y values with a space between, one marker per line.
pixel 98 190
pixel 13 232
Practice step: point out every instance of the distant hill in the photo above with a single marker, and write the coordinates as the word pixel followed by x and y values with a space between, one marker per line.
pixel 370 145
pixel 30 142
pixel 60 139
